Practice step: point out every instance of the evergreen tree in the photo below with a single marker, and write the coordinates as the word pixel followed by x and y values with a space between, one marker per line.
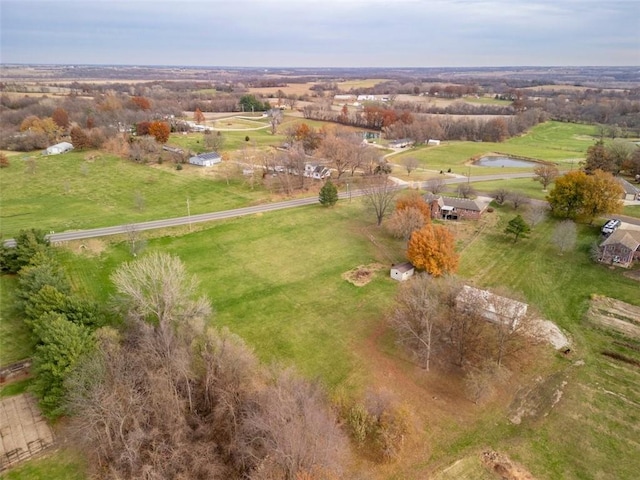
pixel 328 194
pixel 517 227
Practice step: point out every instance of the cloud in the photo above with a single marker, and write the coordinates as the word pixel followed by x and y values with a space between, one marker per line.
pixel 328 33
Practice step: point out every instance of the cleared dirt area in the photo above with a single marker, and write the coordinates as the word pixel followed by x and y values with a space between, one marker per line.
pixel 362 274
pixel 618 316
pixel 23 431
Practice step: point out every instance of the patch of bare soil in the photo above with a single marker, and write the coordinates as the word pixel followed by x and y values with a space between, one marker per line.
pixel 362 274
pixel 92 247
pixel 614 314
pixel 500 464
pixel 536 401
pixel 633 275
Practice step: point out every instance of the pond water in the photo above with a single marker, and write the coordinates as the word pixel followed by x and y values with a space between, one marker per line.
pixel 501 161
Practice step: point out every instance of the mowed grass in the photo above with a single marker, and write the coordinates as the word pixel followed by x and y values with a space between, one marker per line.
pixel 275 279
pixel 558 142
pixel 592 432
pixel 59 465
pixel 67 192
pixel 15 337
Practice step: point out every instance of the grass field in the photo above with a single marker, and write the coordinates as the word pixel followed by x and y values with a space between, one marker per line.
pixel 15 338
pixel 67 192
pixel 59 464
pixel 561 143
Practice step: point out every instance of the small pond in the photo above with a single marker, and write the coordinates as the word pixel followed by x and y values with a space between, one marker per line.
pixel 501 161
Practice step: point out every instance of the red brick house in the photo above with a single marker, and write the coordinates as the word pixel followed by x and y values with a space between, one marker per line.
pixel 451 208
pixel 621 248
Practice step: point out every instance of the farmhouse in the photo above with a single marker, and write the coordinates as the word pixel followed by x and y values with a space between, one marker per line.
pixel 59 148
pixel 494 308
pixel 401 143
pixel 450 208
pixel 315 171
pixel 621 248
pixel 205 159
pixel 631 192
pixel 402 271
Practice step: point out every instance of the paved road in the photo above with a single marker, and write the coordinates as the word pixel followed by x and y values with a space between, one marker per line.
pixel 268 207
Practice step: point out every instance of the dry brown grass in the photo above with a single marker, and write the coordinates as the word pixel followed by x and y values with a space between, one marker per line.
pixel 362 274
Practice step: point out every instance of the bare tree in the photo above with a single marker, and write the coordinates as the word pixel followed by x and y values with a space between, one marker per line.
pixel 436 185
pixel 292 432
pixel 545 174
pixel 403 223
pixel 500 195
pixel 134 238
pixel 275 119
pixel 410 164
pixel 213 141
pixel 518 199
pixel 536 213
pixel 157 288
pixel 466 190
pixel 565 235
pixel 417 316
pixel 379 192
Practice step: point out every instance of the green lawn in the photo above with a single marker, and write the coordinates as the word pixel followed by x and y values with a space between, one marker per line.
pixel 561 143
pixel 67 192
pixel 592 432
pixel 15 338
pixel 57 465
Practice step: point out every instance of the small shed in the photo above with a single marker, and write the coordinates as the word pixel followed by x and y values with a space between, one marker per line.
pixel 433 141
pixel 206 159
pixel 402 271
pixel 59 148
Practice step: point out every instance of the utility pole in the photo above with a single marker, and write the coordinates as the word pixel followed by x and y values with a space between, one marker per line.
pixel 189 213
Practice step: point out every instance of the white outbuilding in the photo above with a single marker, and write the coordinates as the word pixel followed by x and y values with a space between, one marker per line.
pixel 402 271
pixel 206 159
pixel 59 148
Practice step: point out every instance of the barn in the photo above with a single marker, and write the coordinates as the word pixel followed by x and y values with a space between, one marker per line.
pixel 205 159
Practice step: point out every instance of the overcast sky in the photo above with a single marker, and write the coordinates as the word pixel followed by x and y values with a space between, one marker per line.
pixel 322 33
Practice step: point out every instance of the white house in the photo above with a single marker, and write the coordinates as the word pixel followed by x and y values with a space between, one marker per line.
pixel 402 271
pixel 206 159
pixel 59 148
pixel 433 141
pixel 315 171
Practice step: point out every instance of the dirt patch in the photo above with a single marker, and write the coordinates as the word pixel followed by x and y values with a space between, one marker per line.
pixel 92 247
pixel 633 275
pixel 362 274
pixel 536 401
pixel 619 316
pixel 500 464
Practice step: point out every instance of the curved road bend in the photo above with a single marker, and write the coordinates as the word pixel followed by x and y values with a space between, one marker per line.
pixel 238 212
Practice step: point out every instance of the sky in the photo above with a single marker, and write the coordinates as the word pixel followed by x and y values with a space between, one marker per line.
pixel 322 33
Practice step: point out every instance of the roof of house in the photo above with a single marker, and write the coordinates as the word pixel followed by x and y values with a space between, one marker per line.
pixel 478 204
pixel 628 187
pixel 494 307
pixel 208 156
pixel 62 145
pixel 403 267
pixel 628 238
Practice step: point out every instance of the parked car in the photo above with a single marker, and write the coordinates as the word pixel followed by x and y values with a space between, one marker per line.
pixel 610 227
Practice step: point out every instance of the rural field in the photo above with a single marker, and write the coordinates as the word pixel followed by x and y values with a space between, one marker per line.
pixel 276 280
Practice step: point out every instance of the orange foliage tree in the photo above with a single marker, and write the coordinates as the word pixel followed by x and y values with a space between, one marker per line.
pixel 414 200
pixel 432 248
pixel 141 103
pixel 198 116
pixel 160 130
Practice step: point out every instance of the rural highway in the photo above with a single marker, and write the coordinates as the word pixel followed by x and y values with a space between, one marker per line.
pixel 238 212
